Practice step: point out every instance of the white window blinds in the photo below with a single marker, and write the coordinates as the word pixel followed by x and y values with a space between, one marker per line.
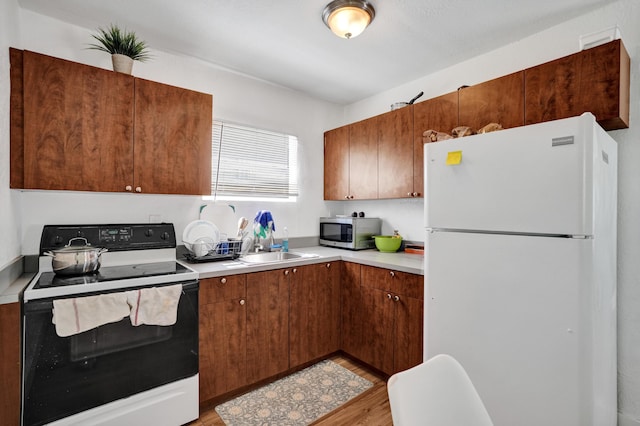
pixel 251 162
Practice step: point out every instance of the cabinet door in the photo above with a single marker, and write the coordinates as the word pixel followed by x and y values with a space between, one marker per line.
pixel 267 324
pixel 440 114
pixel 500 100
pixel 336 164
pixel 408 338
pixel 10 363
pixel 172 140
pixel 314 312
pixel 78 126
pixel 378 329
pixel 594 80
pixel 395 153
pixel 351 326
pixel 222 335
pixel 363 159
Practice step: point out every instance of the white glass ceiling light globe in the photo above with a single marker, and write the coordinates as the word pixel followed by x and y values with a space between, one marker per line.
pixel 348 18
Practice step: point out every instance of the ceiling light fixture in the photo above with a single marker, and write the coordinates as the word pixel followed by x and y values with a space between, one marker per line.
pixel 348 18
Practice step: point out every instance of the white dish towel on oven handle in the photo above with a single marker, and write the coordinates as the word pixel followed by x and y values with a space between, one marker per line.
pixel 155 305
pixel 150 306
pixel 79 314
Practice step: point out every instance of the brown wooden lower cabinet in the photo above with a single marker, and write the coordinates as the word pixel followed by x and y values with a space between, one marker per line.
pixel 223 324
pixel 387 311
pixel 314 327
pixel 10 364
pixel 267 324
pixel 259 325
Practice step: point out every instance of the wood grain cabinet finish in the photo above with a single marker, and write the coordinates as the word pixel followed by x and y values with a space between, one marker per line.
pixel 395 154
pixel 77 127
pixel 363 159
pixel 223 342
pixel 440 114
pixel 314 319
pixel 594 80
pixel 172 135
pixel 10 364
pixel 500 100
pixel 77 124
pixel 382 317
pixel 336 164
pixel 392 305
pixel 267 324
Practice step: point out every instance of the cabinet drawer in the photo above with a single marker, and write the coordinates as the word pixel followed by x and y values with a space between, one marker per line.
pixel 214 290
pixel 400 283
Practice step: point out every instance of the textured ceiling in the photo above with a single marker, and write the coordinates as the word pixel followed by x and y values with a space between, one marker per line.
pixel 285 41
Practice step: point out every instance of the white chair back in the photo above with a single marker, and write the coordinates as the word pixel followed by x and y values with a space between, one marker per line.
pixel 437 392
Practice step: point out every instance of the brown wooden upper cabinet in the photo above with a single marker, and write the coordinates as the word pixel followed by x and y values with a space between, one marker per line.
pixel 77 127
pixel 500 100
pixel 594 80
pixel 336 164
pixel 363 159
pixel 440 114
pixel 395 154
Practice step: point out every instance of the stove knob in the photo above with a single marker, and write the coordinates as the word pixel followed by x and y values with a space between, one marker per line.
pixel 165 236
pixel 58 240
pixel 149 232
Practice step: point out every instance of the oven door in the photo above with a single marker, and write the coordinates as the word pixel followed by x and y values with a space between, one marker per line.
pixel 63 376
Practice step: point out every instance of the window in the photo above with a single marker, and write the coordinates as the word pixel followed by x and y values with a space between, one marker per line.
pixel 253 163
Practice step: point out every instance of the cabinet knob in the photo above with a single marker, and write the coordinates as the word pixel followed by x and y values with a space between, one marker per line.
pixel 346 197
pixel 138 189
pixel 295 270
pixel 286 272
pixel 351 197
pixel 242 302
pixel 396 298
pixel 223 280
pixel 127 188
pixel 328 265
pixel 416 194
pixel 389 296
pixel 393 274
pixel 409 194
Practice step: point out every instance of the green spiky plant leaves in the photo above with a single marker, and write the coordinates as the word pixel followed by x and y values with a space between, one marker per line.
pixel 113 40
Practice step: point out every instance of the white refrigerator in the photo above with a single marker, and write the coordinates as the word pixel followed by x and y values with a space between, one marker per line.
pixel 520 269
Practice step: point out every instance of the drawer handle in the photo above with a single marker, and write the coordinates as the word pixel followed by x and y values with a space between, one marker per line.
pixel 223 280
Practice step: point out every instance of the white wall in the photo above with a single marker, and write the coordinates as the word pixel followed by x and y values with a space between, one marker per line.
pixel 235 98
pixel 10 223
pixel 542 47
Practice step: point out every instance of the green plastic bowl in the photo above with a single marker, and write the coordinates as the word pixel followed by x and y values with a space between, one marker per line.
pixel 387 244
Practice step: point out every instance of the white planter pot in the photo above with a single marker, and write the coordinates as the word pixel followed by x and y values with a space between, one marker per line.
pixel 122 63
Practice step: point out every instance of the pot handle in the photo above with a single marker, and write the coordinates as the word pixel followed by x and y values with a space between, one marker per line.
pixel 48 253
pixel 102 250
pixel 86 243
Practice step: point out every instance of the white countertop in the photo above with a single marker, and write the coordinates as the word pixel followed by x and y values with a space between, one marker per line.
pixel 404 262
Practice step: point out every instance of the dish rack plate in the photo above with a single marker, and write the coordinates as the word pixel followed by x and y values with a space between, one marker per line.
pixel 224 250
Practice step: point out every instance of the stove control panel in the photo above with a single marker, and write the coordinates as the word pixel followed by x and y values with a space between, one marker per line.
pixel 114 237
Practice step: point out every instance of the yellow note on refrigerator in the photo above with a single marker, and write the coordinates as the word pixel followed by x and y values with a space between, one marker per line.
pixel 453 158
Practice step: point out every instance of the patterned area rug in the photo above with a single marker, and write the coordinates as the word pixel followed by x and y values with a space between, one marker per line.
pixel 298 399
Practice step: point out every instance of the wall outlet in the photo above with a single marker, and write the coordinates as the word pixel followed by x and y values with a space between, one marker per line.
pixel 155 218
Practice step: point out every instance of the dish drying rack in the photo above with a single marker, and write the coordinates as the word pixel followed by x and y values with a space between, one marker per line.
pixel 223 250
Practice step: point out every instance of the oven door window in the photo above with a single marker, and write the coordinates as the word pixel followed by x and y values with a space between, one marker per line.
pixel 340 232
pixel 67 375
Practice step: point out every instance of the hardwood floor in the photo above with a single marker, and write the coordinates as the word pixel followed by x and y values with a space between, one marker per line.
pixel 371 408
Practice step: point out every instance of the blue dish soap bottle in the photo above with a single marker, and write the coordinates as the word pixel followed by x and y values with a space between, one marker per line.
pixel 285 239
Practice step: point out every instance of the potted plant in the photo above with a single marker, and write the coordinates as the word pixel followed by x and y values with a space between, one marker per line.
pixel 123 46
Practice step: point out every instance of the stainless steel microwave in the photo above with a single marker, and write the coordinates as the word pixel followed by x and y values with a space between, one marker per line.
pixel 353 233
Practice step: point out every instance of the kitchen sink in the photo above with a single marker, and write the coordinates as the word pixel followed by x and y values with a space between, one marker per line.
pixel 270 257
